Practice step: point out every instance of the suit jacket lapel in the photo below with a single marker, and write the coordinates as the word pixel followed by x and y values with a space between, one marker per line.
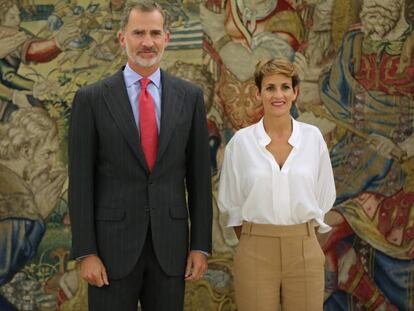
pixel 171 108
pixel 117 100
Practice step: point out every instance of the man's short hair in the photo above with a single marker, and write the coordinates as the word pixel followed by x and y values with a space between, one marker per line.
pixel 27 128
pixel 275 66
pixel 144 6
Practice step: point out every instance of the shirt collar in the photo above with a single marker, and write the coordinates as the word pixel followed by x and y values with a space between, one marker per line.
pixel 132 77
pixel 294 138
pixel 264 139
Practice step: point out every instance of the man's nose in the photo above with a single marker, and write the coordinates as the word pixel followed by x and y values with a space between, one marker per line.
pixel 147 41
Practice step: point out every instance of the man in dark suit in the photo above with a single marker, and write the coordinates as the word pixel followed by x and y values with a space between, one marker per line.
pixel 137 140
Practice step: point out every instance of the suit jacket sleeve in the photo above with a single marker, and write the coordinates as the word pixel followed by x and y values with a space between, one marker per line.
pixel 198 179
pixel 82 153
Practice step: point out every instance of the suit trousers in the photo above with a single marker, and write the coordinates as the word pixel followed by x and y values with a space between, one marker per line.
pixel 147 282
pixel 279 267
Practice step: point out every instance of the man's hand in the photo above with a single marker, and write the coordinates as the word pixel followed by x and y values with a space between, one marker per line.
pixel 93 271
pixel 408 146
pixel 44 88
pixel 49 186
pixel 66 34
pixel 383 145
pixel 196 266
pixel 20 98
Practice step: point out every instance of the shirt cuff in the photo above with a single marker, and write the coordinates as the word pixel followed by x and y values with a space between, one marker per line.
pixel 81 257
pixel 235 217
pixel 323 227
pixel 200 251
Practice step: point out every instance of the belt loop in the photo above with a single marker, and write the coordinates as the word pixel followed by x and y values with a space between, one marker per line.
pixel 309 226
pixel 249 228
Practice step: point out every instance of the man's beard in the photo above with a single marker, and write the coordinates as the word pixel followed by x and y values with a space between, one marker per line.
pixel 36 174
pixel 385 21
pixel 144 62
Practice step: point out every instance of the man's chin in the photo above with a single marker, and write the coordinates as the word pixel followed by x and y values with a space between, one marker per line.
pixel 146 63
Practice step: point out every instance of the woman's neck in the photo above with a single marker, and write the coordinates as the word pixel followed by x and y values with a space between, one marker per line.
pixel 278 127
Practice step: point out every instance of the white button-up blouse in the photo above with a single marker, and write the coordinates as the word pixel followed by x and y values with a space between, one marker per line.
pixel 253 187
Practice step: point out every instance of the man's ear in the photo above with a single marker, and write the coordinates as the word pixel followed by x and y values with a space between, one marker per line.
pixel 167 37
pixel 121 38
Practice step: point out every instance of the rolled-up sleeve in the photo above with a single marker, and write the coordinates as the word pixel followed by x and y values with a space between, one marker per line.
pixel 326 193
pixel 229 194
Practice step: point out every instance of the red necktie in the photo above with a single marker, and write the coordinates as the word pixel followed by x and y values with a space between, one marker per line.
pixel 147 124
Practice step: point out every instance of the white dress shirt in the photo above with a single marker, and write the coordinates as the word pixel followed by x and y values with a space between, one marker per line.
pixel 253 187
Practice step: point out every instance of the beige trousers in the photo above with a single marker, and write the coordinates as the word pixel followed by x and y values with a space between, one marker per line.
pixel 279 267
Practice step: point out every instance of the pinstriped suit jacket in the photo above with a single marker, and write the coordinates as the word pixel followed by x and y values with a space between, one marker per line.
pixel 114 199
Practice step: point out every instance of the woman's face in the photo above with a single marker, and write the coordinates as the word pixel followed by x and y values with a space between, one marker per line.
pixel 277 95
pixel 12 17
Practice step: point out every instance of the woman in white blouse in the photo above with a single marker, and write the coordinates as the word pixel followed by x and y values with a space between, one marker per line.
pixel 276 185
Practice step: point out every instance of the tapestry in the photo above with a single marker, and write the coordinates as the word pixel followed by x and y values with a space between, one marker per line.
pixel 356 64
